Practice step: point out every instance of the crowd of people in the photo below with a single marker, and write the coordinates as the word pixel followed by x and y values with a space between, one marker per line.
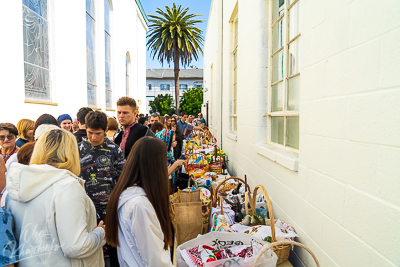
pixel 74 191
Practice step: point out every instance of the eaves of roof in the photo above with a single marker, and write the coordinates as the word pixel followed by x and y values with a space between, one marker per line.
pixel 142 12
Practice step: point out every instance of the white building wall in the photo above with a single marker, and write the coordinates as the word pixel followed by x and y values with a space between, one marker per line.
pixel 67 41
pixel 212 68
pixel 141 71
pixel 344 199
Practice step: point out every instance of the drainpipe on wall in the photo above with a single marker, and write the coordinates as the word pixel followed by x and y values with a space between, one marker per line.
pixel 222 65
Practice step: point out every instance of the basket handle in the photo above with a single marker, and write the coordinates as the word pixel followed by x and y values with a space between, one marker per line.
pixel 222 206
pixel 280 243
pixel 246 199
pixel 214 196
pixel 196 155
pixel 190 152
pixel 253 201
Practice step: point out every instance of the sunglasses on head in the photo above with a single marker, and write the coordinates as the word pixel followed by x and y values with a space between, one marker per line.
pixel 9 137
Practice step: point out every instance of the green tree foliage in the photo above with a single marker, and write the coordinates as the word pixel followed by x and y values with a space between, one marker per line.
pixel 173 37
pixel 163 104
pixel 192 100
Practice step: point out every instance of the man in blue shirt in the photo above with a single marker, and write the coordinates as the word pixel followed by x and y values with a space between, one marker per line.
pixel 186 128
pixel 183 124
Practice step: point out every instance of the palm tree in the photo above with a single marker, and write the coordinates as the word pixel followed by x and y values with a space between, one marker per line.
pixel 173 36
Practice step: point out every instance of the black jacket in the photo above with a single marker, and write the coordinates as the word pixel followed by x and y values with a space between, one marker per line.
pixel 179 141
pixel 137 131
pixel 80 134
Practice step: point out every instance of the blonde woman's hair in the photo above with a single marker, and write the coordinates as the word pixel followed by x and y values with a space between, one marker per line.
pixel 59 149
pixel 24 126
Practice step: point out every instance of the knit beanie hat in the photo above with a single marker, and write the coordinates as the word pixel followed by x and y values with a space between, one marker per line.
pixel 63 117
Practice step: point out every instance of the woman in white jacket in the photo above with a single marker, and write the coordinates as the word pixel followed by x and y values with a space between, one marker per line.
pixel 55 221
pixel 137 219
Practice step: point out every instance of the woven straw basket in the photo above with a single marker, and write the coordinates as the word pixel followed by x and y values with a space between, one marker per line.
pixel 285 243
pixel 214 193
pixel 216 165
pixel 191 166
pixel 282 250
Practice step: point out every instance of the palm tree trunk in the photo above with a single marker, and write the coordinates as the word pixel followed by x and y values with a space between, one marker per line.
pixel 176 74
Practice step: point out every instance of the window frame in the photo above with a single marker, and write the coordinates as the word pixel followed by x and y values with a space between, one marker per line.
pixel 109 61
pixel 168 85
pixel 234 54
pixel 50 97
pixel 184 88
pixel 128 70
pixel 93 17
pixel 285 17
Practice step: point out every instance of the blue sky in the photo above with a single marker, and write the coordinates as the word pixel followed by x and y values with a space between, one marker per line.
pixel 195 6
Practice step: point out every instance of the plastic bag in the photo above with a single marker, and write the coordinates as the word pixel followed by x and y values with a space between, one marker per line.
pixel 220 240
pixel 229 215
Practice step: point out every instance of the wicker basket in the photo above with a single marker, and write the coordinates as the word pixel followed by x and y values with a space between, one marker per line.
pixel 216 167
pixel 214 193
pixel 216 164
pixel 284 243
pixel 211 138
pixel 196 169
pixel 283 250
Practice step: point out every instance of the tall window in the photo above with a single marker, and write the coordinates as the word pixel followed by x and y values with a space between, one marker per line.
pixel 90 53
pixel 183 86
pixel 128 67
pixel 234 88
pixel 283 111
pixel 149 86
pixel 164 87
pixel 107 40
pixel 36 50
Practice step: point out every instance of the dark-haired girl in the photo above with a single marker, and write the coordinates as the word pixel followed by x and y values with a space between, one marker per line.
pixel 137 216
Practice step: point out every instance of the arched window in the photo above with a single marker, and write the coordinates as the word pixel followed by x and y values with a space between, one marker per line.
pixel 128 69
pixel 36 50
pixel 90 54
pixel 107 39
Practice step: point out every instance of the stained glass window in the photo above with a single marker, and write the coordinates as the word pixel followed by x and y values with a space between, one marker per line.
pixel 107 41
pixel 36 50
pixel 90 53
